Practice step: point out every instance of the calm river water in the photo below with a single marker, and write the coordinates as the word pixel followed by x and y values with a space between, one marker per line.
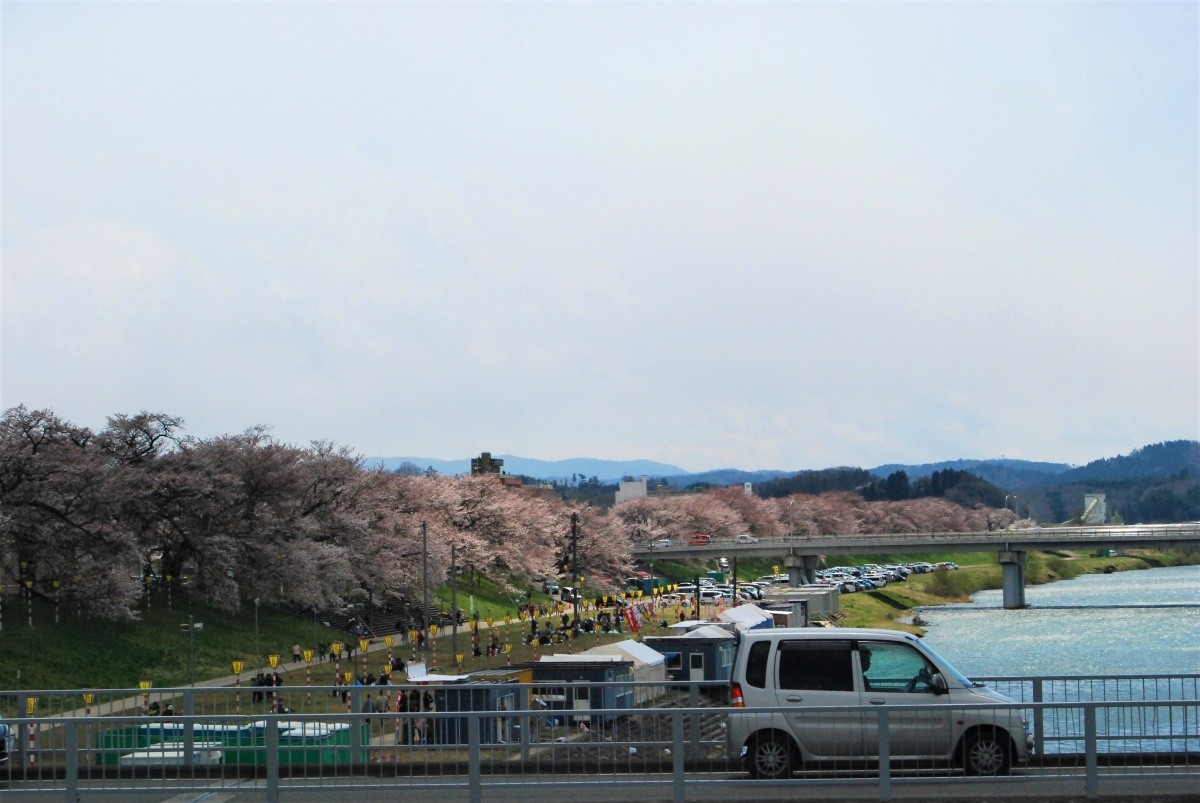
pixel 1135 622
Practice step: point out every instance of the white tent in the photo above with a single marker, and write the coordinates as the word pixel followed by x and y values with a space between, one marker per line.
pixel 648 665
pixel 708 631
pixel 746 617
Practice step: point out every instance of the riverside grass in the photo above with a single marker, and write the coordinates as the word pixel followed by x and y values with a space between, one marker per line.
pixel 78 653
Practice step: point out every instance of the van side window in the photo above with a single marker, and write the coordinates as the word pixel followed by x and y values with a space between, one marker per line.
pixel 890 667
pixel 756 664
pixel 815 665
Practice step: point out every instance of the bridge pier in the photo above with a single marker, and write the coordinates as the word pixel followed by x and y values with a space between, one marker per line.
pixel 802 569
pixel 1012 565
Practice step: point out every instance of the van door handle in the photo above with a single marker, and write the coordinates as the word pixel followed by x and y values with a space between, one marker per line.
pixel 877 702
pixel 795 699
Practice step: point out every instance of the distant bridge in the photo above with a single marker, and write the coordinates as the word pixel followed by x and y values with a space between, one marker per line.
pixel 802 554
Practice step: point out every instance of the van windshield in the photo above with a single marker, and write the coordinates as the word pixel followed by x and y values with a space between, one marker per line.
pixel 962 679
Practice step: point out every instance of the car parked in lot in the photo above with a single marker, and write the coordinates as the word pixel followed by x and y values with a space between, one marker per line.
pixel 934 712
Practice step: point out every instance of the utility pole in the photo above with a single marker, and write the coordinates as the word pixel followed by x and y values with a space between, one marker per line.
pixel 454 601
pixel 575 572
pixel 425 579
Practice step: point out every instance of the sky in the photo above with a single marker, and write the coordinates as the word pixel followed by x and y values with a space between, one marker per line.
pixel 717 235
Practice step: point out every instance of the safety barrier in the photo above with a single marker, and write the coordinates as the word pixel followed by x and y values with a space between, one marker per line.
pixel 509 740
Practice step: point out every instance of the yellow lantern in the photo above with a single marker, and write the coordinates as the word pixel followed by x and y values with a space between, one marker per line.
pixel 308 656
pixel 412 635
pixel 433 630
pixel 144 685
pixel 458 658
pixel 346 677
pixel 31 705
pixel 507 647
pixel 88 698
pixel 273 660
pixel 336 648
pixel 363 644
pixel 388 641
pixel 237 667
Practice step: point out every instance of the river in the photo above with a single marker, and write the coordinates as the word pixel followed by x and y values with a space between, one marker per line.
pixel 1133 622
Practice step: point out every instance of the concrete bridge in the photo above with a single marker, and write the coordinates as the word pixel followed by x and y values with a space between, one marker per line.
pixel 802 554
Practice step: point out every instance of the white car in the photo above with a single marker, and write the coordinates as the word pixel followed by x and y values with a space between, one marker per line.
pixel 934 712
pixel 745 538
pixel 660 543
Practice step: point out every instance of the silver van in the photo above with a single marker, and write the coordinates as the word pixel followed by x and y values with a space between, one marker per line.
pixel 796 670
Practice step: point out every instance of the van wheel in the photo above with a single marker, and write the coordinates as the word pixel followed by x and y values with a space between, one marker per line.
pixel 770 757
pixel 986 752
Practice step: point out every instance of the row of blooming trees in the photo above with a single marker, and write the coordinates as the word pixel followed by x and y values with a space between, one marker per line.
pixel 244 517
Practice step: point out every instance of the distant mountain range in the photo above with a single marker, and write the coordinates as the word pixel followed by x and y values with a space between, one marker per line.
pixel 1157 460
pixel 607 471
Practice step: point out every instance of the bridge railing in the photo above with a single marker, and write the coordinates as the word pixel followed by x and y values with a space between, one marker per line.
pixel 561 736
pixel 1055 730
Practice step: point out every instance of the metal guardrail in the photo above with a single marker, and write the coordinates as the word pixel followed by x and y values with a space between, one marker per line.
pixel 1116 536
pixel 562 737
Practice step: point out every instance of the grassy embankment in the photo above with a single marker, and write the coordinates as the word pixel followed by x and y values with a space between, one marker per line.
pixel 80 653
pixel 76 653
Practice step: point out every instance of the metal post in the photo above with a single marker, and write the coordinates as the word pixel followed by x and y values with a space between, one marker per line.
pixel 1091 774
pixel 71 748
pixel 273 759
pixel 1039 719
pixel 527 723
pixel 474 778
pixel 885 755
pixel 356 741
pixel 677 755
pixel 454 603
pixel 189 728
pixel 694 703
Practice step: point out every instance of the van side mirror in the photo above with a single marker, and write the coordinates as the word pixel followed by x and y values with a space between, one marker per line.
pixel 938 684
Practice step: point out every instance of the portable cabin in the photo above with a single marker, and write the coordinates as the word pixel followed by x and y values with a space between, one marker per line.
pixel 648 665
pixel 561 682
pixel 821 602
pixel 699 653
pixel 499 697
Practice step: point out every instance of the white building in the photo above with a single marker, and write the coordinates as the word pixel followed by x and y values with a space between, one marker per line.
pixel 631 489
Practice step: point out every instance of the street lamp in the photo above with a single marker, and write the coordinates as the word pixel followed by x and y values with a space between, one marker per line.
pixel 257 646
pixel 1014 507
pixel 191 627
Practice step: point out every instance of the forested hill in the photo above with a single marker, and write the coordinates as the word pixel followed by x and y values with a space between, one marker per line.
pixel 1005 473
pixel 1169 459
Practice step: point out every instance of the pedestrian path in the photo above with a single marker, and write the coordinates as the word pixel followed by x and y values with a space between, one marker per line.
pixel 133 704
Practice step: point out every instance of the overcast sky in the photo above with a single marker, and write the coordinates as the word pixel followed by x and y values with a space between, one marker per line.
pixel 749 235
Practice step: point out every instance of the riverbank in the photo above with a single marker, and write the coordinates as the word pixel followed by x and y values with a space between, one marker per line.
pixel 892 607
